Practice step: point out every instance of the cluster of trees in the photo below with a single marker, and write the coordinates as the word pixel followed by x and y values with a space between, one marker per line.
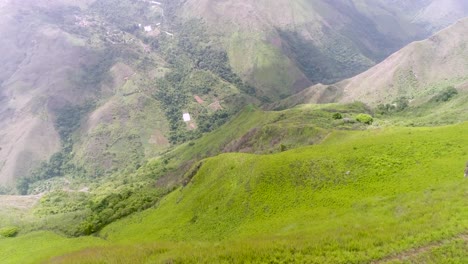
pixel 322 65
pixel 398 105
pixel 9 231
pixel 116 206
pixel 207 123
pixel 402 103
pixel 173 96
pixel 445 95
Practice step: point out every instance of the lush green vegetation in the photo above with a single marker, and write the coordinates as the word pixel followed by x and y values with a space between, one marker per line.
pixel 116 206
pixel 198 65
pixel 37 247
pixel 364 118
pixel 434 112
pixel 445 95
pixel 9 231
pixel 448 251
pixel 357 197
pixel 312 184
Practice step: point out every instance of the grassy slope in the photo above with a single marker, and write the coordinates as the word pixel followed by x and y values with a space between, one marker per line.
pixel 418 71
pixel 261 132
pixel 359 196
pixel 251 131
pixel 39 246
pixel 403 189
pixel 433 114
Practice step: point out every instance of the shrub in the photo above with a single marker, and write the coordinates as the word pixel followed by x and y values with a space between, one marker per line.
pixel 337 116
pixel 398 105
pixel 401 104
pixel 9 231
pixel 445 95
pixel 364 118
pixel 384 109
pixel 283 148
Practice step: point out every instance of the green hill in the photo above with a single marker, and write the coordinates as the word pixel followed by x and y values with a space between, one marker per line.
pixel 417 72
pixel 357 197
pixel 94 131
pixel 131 87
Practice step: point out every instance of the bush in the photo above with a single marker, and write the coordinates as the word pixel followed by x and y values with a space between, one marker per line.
pixel 445 95
pixel 364 118
pixel 9 231
pixel 337 116
pixel 400 104
pixel 283 148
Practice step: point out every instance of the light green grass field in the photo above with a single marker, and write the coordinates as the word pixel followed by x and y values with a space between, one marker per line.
pixel 40 246
pixel 357 197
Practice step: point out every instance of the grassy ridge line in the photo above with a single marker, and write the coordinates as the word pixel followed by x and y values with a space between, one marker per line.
pixel 252 130
pixel 261 132
pixel 371 156
pixel 404 189
pixel 398 195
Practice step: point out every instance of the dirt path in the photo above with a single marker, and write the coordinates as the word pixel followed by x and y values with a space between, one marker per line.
pixel 19 202
pixel 409 254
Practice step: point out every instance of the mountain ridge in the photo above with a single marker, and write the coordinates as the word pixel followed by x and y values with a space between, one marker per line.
pixel 418 71
pixel 331 34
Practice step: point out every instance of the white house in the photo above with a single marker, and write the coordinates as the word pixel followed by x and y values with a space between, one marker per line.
pixel 187 117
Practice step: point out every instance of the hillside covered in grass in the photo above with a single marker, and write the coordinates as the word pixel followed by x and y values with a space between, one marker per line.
pixel 135 131
pixel 357 197
pixel 86 207
pixel 416 73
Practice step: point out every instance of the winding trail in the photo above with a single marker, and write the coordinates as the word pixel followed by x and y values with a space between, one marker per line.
pixel 409 254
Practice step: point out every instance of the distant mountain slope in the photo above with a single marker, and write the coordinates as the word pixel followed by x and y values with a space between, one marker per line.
pixel 417 72
pixel 62 64
pixel 33 75
pixel 86 81
pixel 441 13
pixel 83 85
pixel 284 46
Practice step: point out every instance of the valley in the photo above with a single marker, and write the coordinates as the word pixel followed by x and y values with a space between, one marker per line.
pixel 200 131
